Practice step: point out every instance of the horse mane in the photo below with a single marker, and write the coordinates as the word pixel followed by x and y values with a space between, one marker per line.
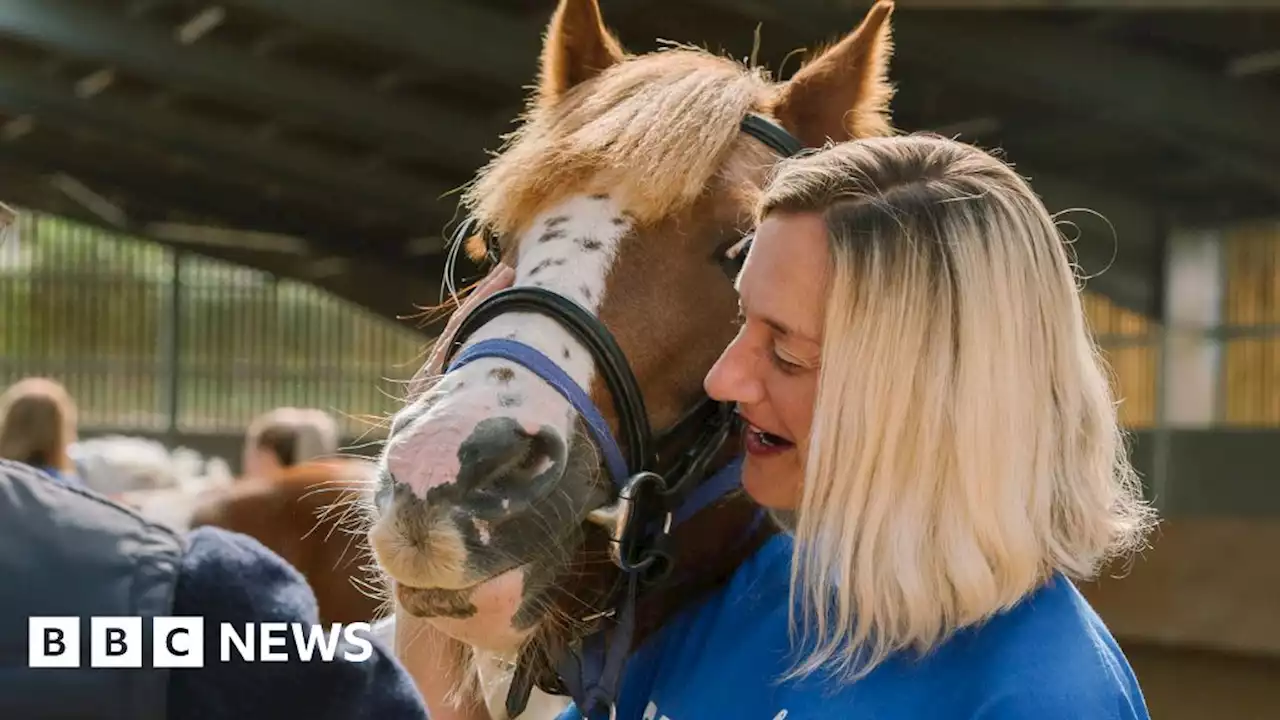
pixel 653 131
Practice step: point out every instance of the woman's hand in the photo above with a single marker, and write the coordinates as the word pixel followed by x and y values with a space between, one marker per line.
pixel 427 654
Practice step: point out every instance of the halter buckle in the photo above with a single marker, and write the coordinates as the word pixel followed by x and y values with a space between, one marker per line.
pixel 639 502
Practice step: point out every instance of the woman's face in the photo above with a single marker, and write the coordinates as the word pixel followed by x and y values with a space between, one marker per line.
pixel 771 368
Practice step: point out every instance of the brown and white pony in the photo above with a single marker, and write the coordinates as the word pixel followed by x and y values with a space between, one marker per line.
pixel 626 183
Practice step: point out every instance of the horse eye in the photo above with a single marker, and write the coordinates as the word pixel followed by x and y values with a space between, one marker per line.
pixel 731 267
pixel 493 245
pixel 733 257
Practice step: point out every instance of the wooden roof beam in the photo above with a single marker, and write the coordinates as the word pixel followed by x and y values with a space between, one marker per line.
pixel 194 197
pixel 24 92
pixel 292 94
pixel 454 37
pixel 1083 74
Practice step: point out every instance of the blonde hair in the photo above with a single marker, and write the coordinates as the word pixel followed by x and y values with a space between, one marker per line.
pixel 303 434
pixel 965 444
pixel 37 424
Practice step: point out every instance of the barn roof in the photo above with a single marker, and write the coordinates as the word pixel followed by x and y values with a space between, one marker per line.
pixel 322 139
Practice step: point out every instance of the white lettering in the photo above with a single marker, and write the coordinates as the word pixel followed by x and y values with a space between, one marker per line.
pixel 272 637
pixel 178 642
pixel 328 644
pixel 651 713
pixel 366 647
pixel 243 643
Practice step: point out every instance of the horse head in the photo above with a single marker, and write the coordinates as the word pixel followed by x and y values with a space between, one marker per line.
pixel 504 494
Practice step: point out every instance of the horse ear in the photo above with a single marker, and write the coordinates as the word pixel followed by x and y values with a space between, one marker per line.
pixel 577 47
pixel 844 92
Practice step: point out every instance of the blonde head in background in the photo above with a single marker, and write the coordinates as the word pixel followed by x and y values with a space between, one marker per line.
pixel 38 423
pixel 288 436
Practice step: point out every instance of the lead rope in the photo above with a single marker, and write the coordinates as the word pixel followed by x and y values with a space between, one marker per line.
pixel 614 647
pixel 606 691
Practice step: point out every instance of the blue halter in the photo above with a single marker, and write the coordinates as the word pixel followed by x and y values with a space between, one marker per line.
pixel 543 366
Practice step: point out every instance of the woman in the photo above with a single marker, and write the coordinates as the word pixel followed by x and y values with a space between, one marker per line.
pixel 38 425
pixel 922 398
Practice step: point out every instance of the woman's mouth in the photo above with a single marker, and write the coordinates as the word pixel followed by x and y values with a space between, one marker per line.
pixel 763 443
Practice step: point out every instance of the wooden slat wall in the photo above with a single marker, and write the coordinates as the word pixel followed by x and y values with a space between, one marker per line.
pixel 1252 302
pixel 1131 347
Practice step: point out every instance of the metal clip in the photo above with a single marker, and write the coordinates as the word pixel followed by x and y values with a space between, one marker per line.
pixel 629 531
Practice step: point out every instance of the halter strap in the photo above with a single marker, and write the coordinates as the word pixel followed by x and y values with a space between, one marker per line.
pixel 604 351
pixel 778 140
pixel 546 369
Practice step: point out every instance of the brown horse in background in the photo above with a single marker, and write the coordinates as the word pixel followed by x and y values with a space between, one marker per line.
pixel 306 515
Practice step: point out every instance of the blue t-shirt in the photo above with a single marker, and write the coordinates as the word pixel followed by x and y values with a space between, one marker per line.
pixel 1048 658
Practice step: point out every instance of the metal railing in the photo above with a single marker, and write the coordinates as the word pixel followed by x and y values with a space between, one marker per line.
pixel 149 339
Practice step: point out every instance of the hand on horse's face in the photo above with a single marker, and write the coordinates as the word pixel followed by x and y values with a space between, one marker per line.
pixel 771 368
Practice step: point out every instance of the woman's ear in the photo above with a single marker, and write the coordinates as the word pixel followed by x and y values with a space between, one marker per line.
pixel 844 92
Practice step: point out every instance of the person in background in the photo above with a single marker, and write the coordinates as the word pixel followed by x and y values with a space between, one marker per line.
pixel 286 437
pixel 37 426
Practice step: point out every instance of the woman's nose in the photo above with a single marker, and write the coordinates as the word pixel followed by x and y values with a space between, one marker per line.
pixel 733 377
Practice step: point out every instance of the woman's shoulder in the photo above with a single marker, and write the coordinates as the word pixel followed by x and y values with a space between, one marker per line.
pixel 1049 656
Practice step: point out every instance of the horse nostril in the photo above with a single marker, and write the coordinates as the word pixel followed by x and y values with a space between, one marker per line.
pixel 501 461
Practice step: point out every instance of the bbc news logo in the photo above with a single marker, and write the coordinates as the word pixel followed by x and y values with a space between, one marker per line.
pixel 179 642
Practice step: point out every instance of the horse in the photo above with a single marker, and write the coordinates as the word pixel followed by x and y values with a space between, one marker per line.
pixel 507 513
pixel 308 515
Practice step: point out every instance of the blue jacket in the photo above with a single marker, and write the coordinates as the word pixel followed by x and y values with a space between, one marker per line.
pixel 66 551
